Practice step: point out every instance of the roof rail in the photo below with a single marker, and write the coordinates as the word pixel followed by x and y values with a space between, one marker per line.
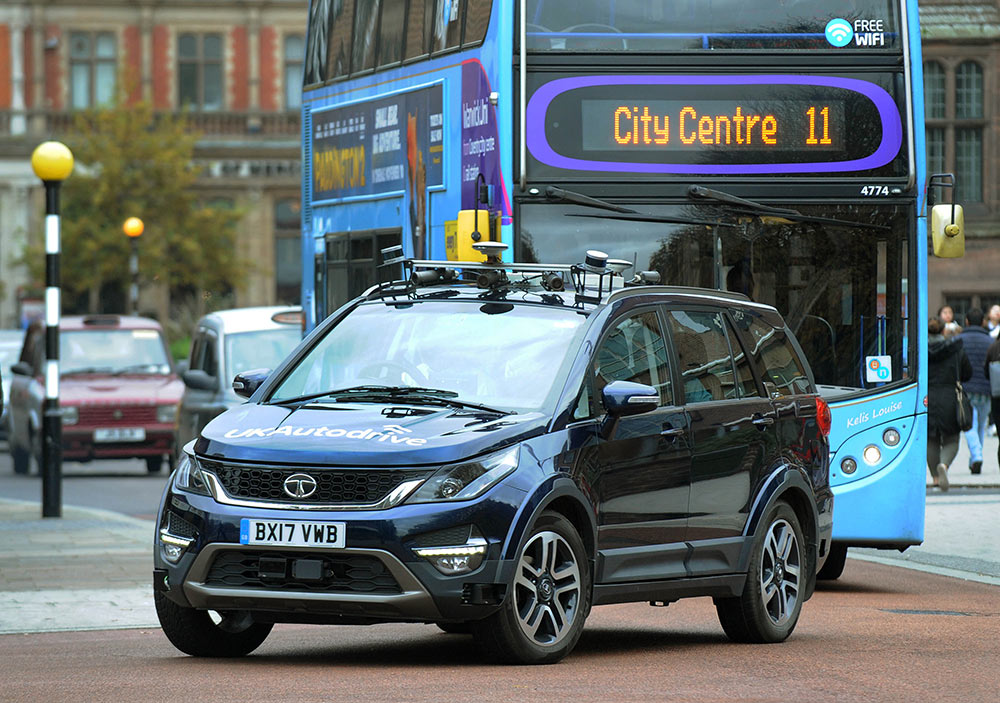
pixel 681 290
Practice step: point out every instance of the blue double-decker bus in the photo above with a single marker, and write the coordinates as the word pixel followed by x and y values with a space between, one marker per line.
pixel 773 148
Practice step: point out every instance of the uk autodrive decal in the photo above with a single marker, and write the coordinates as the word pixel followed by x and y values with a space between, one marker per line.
pixel 389 434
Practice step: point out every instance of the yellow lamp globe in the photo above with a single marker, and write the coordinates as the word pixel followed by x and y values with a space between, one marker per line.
pixel 133 227
pixel 52 161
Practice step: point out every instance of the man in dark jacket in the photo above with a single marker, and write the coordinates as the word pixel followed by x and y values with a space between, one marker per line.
pixel 976 341
pixel 947 365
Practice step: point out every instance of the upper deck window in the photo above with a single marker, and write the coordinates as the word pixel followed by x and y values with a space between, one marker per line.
pixel 686 25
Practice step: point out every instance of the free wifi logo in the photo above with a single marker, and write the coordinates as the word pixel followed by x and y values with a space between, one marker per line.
pixel 839 32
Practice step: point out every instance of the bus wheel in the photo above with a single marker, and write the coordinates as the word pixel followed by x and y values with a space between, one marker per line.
pixel 834 565
pixel 769 606
pixel 541 617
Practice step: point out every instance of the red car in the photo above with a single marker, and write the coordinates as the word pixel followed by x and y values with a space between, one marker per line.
pixel 117 390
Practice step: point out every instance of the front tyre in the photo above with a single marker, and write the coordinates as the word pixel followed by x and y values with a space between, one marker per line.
pixel 542 615
pixel 195 633
pixel 769 606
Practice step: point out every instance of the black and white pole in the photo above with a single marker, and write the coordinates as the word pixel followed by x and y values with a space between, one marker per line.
pixel 52 162
pixel 132 228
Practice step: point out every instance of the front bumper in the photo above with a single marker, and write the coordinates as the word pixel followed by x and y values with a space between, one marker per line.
pixel 79 445
pixel 376 577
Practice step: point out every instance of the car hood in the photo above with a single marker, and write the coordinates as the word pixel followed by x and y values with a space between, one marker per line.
pixel 361 434
pixel 131 389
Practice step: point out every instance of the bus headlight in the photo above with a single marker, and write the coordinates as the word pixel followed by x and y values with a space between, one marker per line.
pixel 891 437
pixel 848 466
pixel 872 455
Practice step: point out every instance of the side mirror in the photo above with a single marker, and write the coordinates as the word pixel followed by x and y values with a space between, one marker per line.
pixel 947 221
pixel 621 398
pixel 22 368
pixel 199 380
pixel 948 231
pixel 246 384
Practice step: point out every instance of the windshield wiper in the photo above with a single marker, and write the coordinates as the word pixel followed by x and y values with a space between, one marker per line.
pixel 700 192
pixel 664 219
pixel 87 369
pixel 139 368
pixel 568 196
pixel 411 394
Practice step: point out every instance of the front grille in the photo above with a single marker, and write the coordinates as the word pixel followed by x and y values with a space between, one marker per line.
pixel 339 573
pixel 117 415
pixel 333 486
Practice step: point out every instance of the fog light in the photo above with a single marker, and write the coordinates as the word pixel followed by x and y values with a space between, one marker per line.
pixel 872 455
pixel 890 437
pixel 172 552
pixel 459 559
pixel 848 466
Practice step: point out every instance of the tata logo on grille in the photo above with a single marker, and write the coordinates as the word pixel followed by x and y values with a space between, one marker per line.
pixel 300 485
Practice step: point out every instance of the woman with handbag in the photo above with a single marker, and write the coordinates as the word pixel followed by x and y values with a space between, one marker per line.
pixel 946 413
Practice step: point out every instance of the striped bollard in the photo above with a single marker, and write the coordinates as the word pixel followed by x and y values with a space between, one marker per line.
pixel 52 163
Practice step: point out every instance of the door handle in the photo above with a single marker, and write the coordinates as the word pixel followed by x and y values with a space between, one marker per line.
pixel 763 420
pixel 674 432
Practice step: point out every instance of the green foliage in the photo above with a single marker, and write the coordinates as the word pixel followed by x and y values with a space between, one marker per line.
pixel 131 161
pixel 179 348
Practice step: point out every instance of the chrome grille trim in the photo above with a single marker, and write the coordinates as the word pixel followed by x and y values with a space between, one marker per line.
pixel 394 498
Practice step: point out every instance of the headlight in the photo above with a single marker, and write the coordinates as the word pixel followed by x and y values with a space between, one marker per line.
pixel 467 479
pixel 188 476
pixel 70 414
pixel 166 413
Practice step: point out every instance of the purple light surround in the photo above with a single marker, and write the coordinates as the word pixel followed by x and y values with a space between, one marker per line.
pixel 892 127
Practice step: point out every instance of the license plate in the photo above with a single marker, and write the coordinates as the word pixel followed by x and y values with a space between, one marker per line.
pixel 120 434
pixel 329 535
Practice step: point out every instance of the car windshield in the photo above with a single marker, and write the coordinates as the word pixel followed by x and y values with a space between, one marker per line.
pixel 113 351
pixel 495 354
pixel 263 349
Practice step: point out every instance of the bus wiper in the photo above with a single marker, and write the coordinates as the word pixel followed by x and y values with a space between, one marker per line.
pixel 641 217
pixel 568 196
pixel 701 192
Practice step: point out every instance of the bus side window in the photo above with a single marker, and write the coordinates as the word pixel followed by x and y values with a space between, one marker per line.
pixel 477 19
pixel 447 25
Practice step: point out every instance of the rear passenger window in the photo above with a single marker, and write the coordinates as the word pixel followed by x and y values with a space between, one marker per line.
pixel 703 355
pixel 745 383
pixel 634 351
pixel 782 366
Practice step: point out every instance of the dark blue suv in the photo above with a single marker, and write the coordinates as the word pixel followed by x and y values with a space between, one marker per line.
pixel 495 450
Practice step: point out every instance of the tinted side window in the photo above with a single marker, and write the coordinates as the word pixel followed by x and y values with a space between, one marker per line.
pixel 745 383
pixel 477 18
pixel 634 351
pixel 365 25
pixel 703 355
pixel 447 25
pixel 782 365
pixel 390 41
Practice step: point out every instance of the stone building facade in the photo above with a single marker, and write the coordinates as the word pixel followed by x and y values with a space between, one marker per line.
pixel 236 65
pixel 961 48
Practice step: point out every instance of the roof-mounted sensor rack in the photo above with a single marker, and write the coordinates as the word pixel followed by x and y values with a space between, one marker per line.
pixel 495 274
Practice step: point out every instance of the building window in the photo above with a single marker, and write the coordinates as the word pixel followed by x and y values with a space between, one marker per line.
pixel 92 68
pixel 934 91
pixel 287 251
pixel 955 118
pixel 295 53
pixel 199 71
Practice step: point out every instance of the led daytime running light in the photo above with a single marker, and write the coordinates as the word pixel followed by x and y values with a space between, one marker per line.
pixel 473 548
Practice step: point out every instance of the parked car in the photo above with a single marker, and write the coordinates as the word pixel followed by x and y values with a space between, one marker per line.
pixel 10 346
pixel 117 390
pixel 495 454
pixel 224 344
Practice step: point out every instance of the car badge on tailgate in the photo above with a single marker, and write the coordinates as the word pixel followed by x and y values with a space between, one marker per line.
pixel 300 485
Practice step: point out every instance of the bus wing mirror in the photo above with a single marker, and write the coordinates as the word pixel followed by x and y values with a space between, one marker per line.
pixel 948 231
pixel 947 221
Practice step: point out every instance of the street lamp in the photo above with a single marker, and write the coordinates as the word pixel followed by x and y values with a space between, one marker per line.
pixel 52 162
pixel 133 230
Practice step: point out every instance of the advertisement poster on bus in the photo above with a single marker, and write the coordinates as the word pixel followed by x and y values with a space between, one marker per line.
pixel 377 147
pixel 480 142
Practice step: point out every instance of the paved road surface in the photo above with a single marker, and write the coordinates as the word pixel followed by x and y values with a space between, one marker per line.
pixel 879 634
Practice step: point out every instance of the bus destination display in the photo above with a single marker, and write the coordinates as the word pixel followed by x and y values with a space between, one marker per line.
pixel 734 124
pixel 676 125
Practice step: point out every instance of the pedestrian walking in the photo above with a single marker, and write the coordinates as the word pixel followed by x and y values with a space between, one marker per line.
pixel 947 365
pixel 993 321
pixel 976 342
pixel 946 314
pixel 993 354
